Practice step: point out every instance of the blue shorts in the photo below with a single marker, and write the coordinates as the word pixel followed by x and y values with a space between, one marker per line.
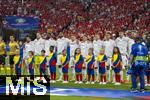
pixel 77 70
pixel 65 70
pixel 117 70
pixel 31 71
pixel 102 70
pixel 42 70
pixel 90 71
pixel 18 70
pixel 52 69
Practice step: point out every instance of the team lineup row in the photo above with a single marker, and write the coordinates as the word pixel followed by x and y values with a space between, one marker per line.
pixel 85 58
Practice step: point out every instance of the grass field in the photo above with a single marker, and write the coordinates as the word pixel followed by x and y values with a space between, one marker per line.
pixel 123 86
pixel 83 98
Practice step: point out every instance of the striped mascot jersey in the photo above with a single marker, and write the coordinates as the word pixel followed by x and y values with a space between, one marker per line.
pixel 79 60
pixel 102 59
pixel 116 60
pixel 90 59
pixel 30 62
pixel 65 61
pixel 17 61
pixel 42 61
pixel 52 59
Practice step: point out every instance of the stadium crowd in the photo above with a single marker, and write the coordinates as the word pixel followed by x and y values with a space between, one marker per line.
pixel 82 16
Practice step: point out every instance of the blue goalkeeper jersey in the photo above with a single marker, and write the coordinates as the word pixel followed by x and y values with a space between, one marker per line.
pixel 138 49
pixel 140 53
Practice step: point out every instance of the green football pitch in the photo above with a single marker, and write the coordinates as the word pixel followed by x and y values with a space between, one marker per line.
pixel 82 98
pixel 123 86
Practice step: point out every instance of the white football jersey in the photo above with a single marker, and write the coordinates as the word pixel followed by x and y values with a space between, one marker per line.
pixel 83 47
pixel 48 43
pixel 89 45
pixel 109 46
pixel 97 45
pixel 39 45
pixel 28 47
pixel 61 44
pixel 73 47
pixel 122 44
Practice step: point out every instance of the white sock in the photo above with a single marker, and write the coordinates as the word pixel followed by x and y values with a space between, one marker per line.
pixel 97 75
pixel 73 73
pixel 60 73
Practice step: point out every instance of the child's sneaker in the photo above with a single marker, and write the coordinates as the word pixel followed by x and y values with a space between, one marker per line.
pixel 65 82
pixel 87 82
pixel 76 82
pixel 80 82
pixel 147 84
pixel 54 81
pixel 100 82
pixel 104 83
pixel 92 82
pixel 117 83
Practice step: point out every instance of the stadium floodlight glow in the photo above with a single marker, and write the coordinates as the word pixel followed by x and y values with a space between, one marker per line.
pixel 38 89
